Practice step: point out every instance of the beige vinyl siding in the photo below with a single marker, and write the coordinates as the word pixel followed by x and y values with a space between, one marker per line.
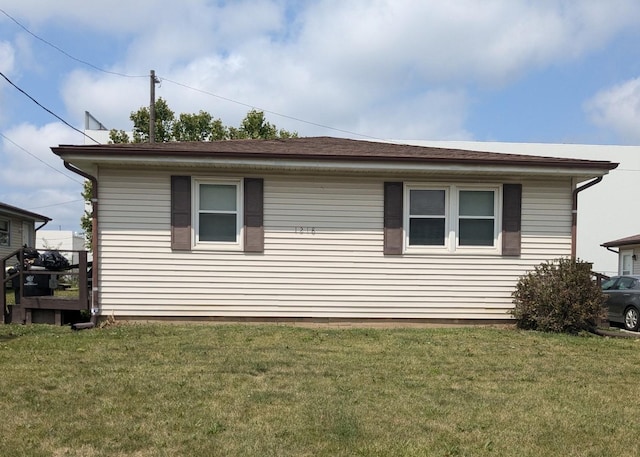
pixel 15 235
pixel 322 257
pixel 8 249
pixel 546 219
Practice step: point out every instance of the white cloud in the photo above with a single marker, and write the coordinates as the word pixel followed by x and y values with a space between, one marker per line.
pixel 424 116
pixel 618 108
pixel 492 41
pixel 37 180
pixel 7 57
pixel 109 98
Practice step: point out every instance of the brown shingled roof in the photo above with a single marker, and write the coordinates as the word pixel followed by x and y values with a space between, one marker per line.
pixel 634 239
pixel 326 148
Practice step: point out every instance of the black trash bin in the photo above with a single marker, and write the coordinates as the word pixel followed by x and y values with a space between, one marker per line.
pixel 32 285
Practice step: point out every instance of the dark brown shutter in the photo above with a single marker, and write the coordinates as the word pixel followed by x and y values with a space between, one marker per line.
pixel 511 219
pixel 254 215
pixel 181 213
pixel 393 217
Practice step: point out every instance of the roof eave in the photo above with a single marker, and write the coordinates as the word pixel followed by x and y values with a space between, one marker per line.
pixel 88 162
pixel 22 213
pixel 630 241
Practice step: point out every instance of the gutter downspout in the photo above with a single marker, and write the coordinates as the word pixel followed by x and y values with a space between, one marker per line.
pixel 574 213
pixel 95 301
pixel 43 224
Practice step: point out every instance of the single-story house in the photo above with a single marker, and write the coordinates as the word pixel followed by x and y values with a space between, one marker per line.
pixel 322 228
pixel 628 250
pixel 18 228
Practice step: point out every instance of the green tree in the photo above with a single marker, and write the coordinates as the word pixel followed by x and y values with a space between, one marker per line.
pixel 165 120
pixel 86 219
pixel 196 127
pixel 255 126
pixel 199 127
pixel 118 136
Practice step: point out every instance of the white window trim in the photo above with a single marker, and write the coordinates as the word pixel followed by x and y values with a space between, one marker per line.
pixel 452 246
pixel 195 205
pixel 447 218
pixel 8 221
pixel 497 210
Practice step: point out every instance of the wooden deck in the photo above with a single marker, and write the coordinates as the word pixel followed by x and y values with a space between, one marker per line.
pixel 30 301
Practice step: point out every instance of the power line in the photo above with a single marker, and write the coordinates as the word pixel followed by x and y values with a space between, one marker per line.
pixel 58 204
pixel 271 112
pixel 38 158
pixel 62 51
pixel 47 109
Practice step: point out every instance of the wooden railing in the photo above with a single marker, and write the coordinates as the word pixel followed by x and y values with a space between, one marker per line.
pixel 24 278
pixel 599 277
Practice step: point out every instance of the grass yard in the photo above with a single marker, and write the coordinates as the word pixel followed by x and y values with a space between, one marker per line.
pixel 227 390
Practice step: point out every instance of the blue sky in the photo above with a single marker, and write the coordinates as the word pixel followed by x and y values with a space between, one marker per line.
pixel 497 70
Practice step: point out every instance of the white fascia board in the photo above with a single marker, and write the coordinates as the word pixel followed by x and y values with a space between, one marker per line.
pixel 357 167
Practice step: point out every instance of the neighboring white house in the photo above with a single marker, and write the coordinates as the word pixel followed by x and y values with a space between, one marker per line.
pixel 628 251
pixel 605 213
pixel 61 240
pixel 322 228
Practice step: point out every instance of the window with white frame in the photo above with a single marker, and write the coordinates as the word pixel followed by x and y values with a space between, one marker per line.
pixel 4 232
pixel 452 218
pixel 477 218
pixel 217 212
pixel 427 217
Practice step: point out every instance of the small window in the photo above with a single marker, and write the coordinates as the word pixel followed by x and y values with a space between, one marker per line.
pixel 476 218
pixel 427 217
pixel 217 212
pixel 4 232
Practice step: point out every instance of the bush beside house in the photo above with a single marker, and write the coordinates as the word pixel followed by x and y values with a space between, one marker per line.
pixel 558 296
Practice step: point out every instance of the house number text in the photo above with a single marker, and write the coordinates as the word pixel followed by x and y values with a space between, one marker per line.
pixel 305 230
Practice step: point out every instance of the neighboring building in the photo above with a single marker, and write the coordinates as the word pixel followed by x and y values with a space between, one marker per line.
pixel 628 250
pixel 18 228
pixel 65 241
pixel 94 130
pixel 323 228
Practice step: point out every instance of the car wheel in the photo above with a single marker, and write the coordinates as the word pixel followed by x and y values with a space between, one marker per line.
pixel 631 319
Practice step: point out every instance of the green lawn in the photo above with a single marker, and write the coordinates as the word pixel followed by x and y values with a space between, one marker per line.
pixel 227 390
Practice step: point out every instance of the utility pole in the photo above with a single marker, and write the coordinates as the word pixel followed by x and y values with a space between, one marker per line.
pixel 152 107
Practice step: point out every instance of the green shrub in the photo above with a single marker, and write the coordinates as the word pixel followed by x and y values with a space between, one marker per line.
pixel 558 296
